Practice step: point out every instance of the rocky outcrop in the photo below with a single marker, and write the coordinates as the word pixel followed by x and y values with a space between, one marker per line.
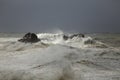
pixel 77 35
pixel 29 37
pixel 65 37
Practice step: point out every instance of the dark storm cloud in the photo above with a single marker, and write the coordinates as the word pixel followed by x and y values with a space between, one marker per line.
pixel 68 15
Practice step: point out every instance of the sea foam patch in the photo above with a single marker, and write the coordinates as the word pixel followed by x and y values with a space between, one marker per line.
pixel 57 59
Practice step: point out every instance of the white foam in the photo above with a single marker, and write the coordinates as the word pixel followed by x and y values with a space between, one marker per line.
pixel 58 59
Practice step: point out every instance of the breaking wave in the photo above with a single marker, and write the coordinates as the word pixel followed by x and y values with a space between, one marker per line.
pixel 58 57
pixel 76 41
pixel 47 39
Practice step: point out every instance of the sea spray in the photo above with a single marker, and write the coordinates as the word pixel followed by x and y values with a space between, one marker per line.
pixel 57 59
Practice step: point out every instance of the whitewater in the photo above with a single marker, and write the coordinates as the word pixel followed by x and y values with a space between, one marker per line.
pixel 54 58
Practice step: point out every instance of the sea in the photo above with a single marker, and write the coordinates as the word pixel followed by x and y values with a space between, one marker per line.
pixel 93 57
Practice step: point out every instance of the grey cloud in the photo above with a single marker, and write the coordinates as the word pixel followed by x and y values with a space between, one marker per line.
pixel 68 15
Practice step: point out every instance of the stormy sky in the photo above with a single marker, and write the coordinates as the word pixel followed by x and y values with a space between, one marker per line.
pixel 66 15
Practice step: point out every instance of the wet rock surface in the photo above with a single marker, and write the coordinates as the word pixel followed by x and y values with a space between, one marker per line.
pixel 29 37
pixel 66 37
pixel 77 35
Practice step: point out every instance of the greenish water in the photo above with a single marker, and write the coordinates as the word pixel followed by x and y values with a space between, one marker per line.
pixel 110 39
pixel 4 35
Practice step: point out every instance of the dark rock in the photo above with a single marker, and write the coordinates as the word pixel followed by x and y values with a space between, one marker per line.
pixel 29 37
pixel 77 35
pixel 72 36
pixel 65 37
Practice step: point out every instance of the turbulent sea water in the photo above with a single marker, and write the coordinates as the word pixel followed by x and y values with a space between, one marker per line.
pixel 94 57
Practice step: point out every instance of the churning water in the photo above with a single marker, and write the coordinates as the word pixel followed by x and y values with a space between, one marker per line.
pixel 54 58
